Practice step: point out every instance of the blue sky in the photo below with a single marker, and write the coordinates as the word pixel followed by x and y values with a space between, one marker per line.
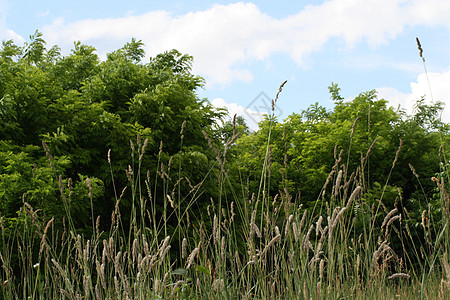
pixel 244 49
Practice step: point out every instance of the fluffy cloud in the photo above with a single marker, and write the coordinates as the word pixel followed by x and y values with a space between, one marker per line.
pixel 252 117
pixel 5 33
pixel 224 37
pixel 440 91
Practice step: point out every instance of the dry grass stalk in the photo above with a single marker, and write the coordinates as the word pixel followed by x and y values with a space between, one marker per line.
pixel 295 231
pixel 353 196
pixel 215 230
pixel 399 275
pixel 192 256
pixel 267 247
pixel 176 286
pixel 338 217
pixel 369 151
pixel 47 152
pixel 44 236
pixel 337 184
pixel 324 188
pixel 171 202
pixel 162 250
pixel 397 153
pixel 222 248
pixel 252 223
pixel 183 248
pixel 353 127
pixel 306 244
pixel 388 216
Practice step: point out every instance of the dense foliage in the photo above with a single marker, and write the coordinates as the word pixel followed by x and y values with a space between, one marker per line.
pixel 81 108
pixel 76 131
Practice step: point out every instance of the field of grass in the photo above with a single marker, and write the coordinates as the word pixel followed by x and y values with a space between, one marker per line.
pixel 259 247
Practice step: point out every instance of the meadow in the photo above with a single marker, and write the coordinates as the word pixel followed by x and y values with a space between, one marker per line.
pixel 226 221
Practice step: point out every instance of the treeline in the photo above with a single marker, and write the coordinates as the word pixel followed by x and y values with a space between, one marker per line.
pixel 75 131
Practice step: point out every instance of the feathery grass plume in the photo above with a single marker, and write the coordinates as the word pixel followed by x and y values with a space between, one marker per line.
pixel 294 230
pixel 353 126
pixel 138 140
pixel 222 248
pixel 171 202
pixel 162 249
pixel 44 236
pixel 397 153
pixel 399 275
pixel 369 151
pixel 116 285
pixel 419 46
pixel 358 264
pixel 267 247
pixel 117 260
pixel 183 126
pixel 61 187
pixel 176 286
pixel 380 251
pixel 306 244
pixel 156 286
pixel 338 217
pixel 353 196
pixel 89 185
pixel 337 184
pixel 319 224
pixel 86 279
pixel 398 217
pixel 183 247
pixel 280 89
pixel 256 230
pixel 302 221
pixel 324 188
pixel 321 267
pixel 423 219
pixel 62 273
pixel 288 224
pixel 134 249
pixel 413 170
pixel 163 254
pixel 132 148
pixel 47 152
pixel 388 216
pixel 143 149
pixel 192 256
pixel 252 223
pixel 392 220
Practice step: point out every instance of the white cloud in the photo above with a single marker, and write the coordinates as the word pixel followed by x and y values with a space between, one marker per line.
pixel 251 117
pixel 223 37
pixel 5 32
pixel 440 91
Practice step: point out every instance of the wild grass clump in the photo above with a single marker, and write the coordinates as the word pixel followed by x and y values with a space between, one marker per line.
pixel 261 246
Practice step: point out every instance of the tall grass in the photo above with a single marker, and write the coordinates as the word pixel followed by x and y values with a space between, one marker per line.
pixel 254 246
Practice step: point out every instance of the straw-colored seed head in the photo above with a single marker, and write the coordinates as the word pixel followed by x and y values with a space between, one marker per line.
pixel 183 248
pixel 192 257
pixel 388 216
pixel 222 248
pixel 163 247
pixel 423 219
pixel 399 275
pixel 294 230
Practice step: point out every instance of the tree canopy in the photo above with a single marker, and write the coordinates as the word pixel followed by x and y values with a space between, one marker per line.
pixel 75 122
